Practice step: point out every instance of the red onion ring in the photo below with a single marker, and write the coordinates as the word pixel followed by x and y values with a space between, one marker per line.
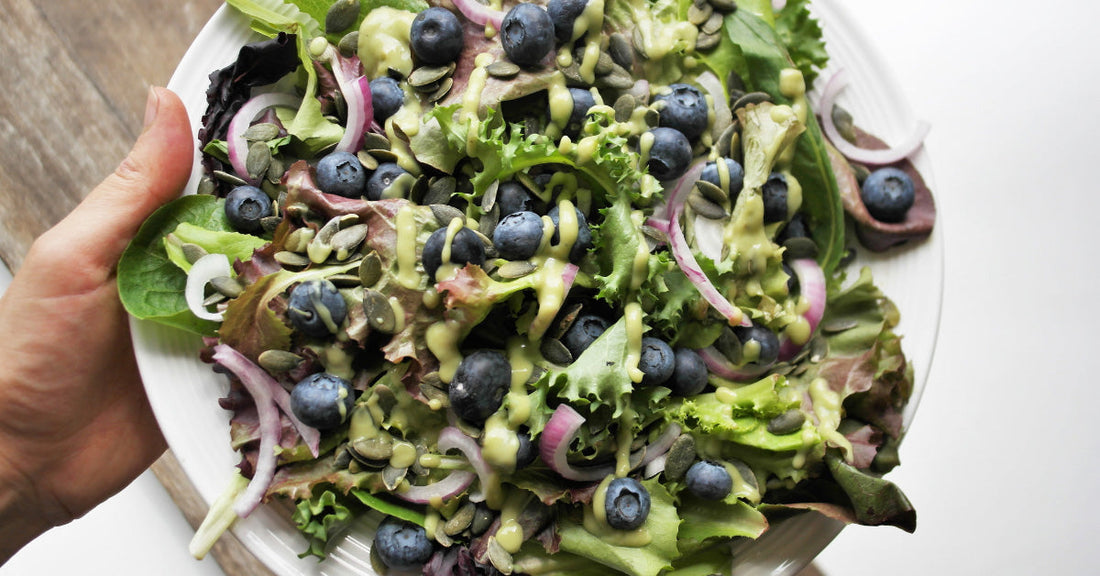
pixel 479 13
pixel 811 281
pixel 720 366
pixel 235 142
pixel 447 488
pixel 907 148
pixel 660 446
pixel 554 442
pixel 202 272
pixel 453 438
pixel 569 275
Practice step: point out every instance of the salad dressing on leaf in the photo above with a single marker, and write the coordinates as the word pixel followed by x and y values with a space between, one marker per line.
pixel 595 522
pixel 407 275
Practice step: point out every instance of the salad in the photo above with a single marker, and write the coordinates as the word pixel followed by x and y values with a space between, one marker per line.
pixel 551 288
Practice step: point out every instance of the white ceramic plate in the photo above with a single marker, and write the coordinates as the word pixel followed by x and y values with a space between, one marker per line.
pixel 184 391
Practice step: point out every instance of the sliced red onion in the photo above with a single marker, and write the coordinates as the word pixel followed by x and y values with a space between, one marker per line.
pixel 202 272
pixel 569 275
pixel 360 115
pixel 682 252
pixel 723 117
pixel 453 438
pixel 441 491
pixel 907 148
pixel 271 428
pixel 310 435
pixel 658 223
pixel 811 281
pixel 660 446
pixel 235 142
pixel 554 443
pixel 720 366
pixel 479 13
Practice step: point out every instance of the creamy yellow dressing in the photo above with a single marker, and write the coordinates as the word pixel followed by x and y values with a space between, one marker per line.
pixel 407 275
pixel 827 408
pixel 384 42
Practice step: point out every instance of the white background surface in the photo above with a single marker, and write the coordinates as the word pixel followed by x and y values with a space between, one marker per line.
pixel 1001 461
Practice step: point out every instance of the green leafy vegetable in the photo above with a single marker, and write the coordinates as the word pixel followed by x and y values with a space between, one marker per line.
pixel 235 245
pixel 801 34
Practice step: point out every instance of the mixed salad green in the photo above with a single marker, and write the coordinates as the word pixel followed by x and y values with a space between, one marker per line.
pixel 480 312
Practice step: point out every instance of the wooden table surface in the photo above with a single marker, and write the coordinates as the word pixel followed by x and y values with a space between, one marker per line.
pixel 74 78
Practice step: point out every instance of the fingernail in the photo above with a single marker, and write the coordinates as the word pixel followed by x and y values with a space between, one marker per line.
pixel 151 106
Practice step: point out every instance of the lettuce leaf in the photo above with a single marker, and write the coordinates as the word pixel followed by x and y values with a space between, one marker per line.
pixel 598 377
pixel 801 34
pixel 235 245
pixel 704 521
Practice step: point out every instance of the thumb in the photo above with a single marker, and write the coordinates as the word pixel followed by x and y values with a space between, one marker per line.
pixel 155 171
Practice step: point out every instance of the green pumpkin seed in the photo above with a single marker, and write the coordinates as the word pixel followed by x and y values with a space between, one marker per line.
pixel 787 422
pixel 370 270
pixel 275 173
pixel 639 42
pixel 231 179
pixel 618 46
pixel 553 350
pixel 228 286
pixel 445 213
pixel 435 393
pixel 343 458
pixel 367 160
pixel 572 74
pixel 654 235
pixel 605 64
pixel 207 186
pixel 384 155
pixel 819 349
pixel 349 44
pixel 261 132
pixel 699 12
pixel 516 269
pixel 291 259
pixel 215 298
pixel 270 223
pixel 711 192
pixel 502 69
pixel 341 16
pixel 427 75
pixel 344 280
pixel 392 477
pixel 617 79
pixel 680 457
pixel 299 239
pixel 347 240
pixel 800 247
pixel 379 312
pixel 750 98
pixel 724 6
pixel 375 449
pixel 844 123
pixel 713 24
pixel 624 107
pixel 375 141
pixel 729 345
pixel 704 207
pixel 722 144
pixel 279 360
pixel 499 557
pixel 488 221
pixel 835 326
pixel 258 159
pixel 192 252
pixel 440 190
pixel 462 519
pixel 489 199
pixel 705 41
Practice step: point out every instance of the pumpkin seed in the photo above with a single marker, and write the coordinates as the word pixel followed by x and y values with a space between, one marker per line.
pixel 370 269
pixel 291 259
pixel 392 477
pixel 347 240
pixel 384 155
pixel 344 280
pixel 499 557
pixel 261 132
pixel 704 207
pixel 618 46
pixel 706 41
pixel 442 538
pixel 624 107
pixel 343 458
pixel 215 298
pixel 275 172
pixel 430 74
pixel 713 24
pixel 440 92
pixel 617 79
pixel 516 269
pixel 787 422
pixel 724 6
pixel 800 247
pixel 567 317
pixel 435 393
pixel 444 213
pixel 341 16
pixel 279 360
pixel 502 69
pixel 553 350
pixel 483 519
pixel 440 190
pixel 750 98
pixel 639 42
pixel 711 192
pixel 722 144
pixel 258 159
pixel 207 186
pixel 680 457
pixel 699 12
pixel 605 64
pixel 819 349
pixel 652 118
pixel 860 171
pixel 299 239
pixel 462 519
pixel 367 160
pixel 231 179
pixel 489 199
pixel 654 235
pixel 844 124
pixel 572 74
pixel 746 473
pixel 192 252
pixel 349 44
pixel 380 314
pixel 375 448
pixel 375 141
pixel 488 221
pixel 228 286
pixel 831 327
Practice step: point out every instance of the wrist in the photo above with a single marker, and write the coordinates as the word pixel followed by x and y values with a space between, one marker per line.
pixel 22 517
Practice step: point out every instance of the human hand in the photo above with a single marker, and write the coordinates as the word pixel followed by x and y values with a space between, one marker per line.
pixel 75 424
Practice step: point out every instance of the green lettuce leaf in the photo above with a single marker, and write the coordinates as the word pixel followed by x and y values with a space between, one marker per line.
pixel 319 518
pixel 876 501
pixel 235 245
pixel 801 33
pixel 704 521
pixel 598 377
pixel 318 9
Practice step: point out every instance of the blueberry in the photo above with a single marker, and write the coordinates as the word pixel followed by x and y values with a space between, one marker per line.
pixel 888 194
pixel 657 362
pixel 527 451
pixel 322 400
pixel 341 173
pixel 436 36
pixel 518 235
pixel 527 34
pixel 564 13
pixel 774 194
pixel 669 154
pixel 513 197
pixel 734 176
pixel 584 235
pixel 582 101
pixel 759 346
pixel 402 545
pixel 708 480
pixel 584 331
pixel 466 248
pixel 245 207
pixel 387 97
pixel 689 375
pixel 626 504
pixel 795 228
pixel 685 109
pixel 478 387
pixel 384 176
pixel 316 308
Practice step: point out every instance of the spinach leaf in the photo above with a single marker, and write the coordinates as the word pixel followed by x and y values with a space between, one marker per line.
pixel 150 285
